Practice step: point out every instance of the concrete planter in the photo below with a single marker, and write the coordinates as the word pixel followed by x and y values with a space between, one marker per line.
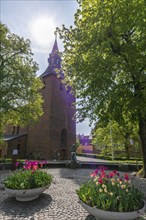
pixel 107 215
pixel 26 194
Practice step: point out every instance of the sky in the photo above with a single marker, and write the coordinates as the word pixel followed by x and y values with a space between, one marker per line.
pixel 37 21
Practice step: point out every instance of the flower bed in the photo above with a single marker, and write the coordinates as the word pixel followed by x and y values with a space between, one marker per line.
pixel 110 192
pixel 29 177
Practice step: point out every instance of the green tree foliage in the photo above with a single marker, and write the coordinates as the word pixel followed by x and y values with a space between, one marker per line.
pixel 120 135
pixel 19 97
pixel 106 57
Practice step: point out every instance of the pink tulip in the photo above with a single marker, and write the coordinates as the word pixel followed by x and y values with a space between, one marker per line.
pixel 16 164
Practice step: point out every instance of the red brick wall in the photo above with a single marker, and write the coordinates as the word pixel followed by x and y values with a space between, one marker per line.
pixel 45 136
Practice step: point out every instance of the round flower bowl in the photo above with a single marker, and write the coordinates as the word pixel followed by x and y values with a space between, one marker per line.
pixel 29 182
pixel 26 194
pixel 108 215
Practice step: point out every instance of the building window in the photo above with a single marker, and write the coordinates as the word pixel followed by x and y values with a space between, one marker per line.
pixel 63 139
pixel 18 129
pixel 58 62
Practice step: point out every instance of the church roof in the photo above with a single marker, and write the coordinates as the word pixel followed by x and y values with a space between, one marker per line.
pixel 12 137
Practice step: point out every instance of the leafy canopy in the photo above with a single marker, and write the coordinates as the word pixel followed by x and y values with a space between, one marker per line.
pixel 105 57
pixel 20 100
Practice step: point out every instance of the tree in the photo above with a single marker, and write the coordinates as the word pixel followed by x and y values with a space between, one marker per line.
pixel 120 137
pixel 19 97
pixel 105 57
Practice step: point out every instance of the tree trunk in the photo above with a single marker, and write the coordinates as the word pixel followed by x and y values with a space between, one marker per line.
pixel 127 151
pixel 127 146
pixel 142 133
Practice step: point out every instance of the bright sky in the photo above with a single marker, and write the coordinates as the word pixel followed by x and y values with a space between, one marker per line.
pixel 37 21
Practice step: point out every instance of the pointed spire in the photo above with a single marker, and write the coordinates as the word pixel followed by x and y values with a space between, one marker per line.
pixel 55 33
pixel 55 47
pixel 54 61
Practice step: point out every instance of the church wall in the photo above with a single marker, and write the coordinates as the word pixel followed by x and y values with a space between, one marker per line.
pixel 71 121
pixel 44 138
pixel 60 119
pixel 38 135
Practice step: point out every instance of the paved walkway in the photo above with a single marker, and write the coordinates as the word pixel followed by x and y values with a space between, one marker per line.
pixel 59 202
pixel 88 159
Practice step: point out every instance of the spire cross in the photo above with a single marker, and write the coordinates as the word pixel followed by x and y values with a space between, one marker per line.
pixel 55 33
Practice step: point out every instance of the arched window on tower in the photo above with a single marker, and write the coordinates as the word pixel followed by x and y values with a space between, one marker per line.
pixel 63 144
pixel 63 138
pixel 58 62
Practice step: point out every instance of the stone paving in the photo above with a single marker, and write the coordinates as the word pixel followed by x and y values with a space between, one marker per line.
pixel 59 202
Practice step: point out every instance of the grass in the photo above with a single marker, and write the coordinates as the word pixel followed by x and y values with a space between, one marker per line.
pixel 122 160
pixel 9 160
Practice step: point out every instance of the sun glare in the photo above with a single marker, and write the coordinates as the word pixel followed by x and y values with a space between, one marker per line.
pixel 42 30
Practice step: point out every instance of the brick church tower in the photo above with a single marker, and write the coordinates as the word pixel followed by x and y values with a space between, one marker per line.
pixel 54 134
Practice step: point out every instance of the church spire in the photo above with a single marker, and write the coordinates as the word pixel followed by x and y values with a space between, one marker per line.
pixel 55 47
pixel 54 60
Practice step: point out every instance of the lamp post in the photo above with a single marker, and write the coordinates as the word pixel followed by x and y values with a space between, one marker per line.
pixel 112 150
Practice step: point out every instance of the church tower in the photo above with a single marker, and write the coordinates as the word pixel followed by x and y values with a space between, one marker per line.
pixel 54 134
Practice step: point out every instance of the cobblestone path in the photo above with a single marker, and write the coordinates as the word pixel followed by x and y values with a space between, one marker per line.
pixel 59 202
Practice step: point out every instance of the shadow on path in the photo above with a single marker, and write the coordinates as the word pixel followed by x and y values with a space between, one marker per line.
pixel 12 207
pixel 90 217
